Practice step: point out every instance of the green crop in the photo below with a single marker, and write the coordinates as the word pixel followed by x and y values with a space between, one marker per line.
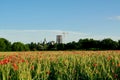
pixel 60 65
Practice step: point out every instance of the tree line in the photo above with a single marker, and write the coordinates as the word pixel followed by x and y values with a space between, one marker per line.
pixel 82 44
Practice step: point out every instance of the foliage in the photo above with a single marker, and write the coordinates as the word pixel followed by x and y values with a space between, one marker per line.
pixel 5 45
pixel 82 44
pixel 18 46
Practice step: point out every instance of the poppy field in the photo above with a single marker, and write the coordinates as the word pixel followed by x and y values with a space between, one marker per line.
pixel 60 65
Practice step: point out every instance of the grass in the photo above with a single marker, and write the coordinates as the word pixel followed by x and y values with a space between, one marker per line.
pixel 60 65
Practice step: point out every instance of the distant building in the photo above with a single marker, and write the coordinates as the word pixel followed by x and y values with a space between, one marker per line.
pixel 59 39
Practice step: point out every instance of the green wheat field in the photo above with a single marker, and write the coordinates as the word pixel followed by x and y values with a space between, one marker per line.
pixel 60 65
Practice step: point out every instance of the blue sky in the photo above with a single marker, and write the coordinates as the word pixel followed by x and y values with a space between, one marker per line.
pixel 97 18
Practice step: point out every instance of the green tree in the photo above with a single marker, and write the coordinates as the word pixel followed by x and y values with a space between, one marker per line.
pixel 18 46
pixel 33 46
pixel 5 45
pixel 118 44
pixel 71 46
pixel 39 46
pixel 60 46
pixel 109 44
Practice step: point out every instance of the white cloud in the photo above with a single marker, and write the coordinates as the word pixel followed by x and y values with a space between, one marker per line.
pixel 27 36
pixel 118 17
pixel 110 18
pixel 114 18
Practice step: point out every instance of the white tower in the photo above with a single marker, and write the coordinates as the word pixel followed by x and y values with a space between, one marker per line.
pixel 59 39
